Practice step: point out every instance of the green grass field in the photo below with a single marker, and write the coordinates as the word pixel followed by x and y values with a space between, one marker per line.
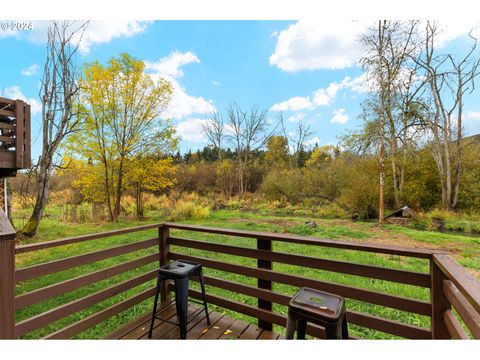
pixel 464 248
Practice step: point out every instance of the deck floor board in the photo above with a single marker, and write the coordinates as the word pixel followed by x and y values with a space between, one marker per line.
pixel 221 327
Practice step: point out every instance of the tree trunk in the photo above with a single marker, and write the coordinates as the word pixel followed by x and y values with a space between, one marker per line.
pixel 138 201
pixel 118 190
pixel 43 186
pixel 381 205
pixel 459 150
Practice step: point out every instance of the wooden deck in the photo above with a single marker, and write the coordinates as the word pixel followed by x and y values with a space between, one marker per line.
pixel 454 293
pixel 221 327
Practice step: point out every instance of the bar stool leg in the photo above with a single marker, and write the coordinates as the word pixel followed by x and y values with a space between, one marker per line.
pixel 344 328
pixel 302 329
pixel 157 291
pixel 181 302
pixel 291 322
pixel 202 285
pixel 333 332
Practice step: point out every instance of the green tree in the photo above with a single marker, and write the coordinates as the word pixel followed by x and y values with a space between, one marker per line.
pixel 122 107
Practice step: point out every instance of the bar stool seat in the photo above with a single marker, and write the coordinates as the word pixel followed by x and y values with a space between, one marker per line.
pixel 318 307
pixel 180 272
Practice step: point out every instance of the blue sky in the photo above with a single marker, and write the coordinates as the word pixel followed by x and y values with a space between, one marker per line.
pixel 304 69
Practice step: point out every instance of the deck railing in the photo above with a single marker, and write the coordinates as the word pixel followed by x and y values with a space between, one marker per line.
pixel 448 284
pixel 15 149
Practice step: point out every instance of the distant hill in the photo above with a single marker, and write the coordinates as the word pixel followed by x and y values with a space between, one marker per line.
pixel 473 138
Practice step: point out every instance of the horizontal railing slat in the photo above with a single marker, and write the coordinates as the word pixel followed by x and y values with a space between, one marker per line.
pixel 290 238
pixel 401 276
pixel 45 318
pixel 252 291
pixel 453 326
pixel 388 326
pixel 42 294
pixel 364 320
pixel 466 283
pixel 51 267
pixel 49 244
pixel 92 320
pixel 463 307
pixel 357 318
pixel 10 113
pixel 368 296
pixel 260 314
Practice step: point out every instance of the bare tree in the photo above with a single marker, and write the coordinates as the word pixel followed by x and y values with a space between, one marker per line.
pixel 297 139
pixel 449 80
pixel 214 130
pixel 388 49
pixel 59 93
pixel 250 132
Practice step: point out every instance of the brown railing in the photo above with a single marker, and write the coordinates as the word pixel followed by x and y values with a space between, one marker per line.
pixel 455 290
pixel 447 282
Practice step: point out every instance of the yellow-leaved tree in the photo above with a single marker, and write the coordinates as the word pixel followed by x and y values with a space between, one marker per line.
pixel 121 119
pixel 149 173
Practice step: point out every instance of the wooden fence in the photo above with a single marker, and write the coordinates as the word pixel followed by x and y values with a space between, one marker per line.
pixel 453 307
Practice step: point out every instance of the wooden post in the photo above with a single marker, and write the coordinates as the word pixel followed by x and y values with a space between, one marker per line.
pixel 439 301
pixel 164 249
pixel 19 131
pixel 264 244
pixel 27 158
pixel 7 278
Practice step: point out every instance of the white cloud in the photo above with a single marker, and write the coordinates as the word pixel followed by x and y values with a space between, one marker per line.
pixel 311 45
pixel 171 65
pixel 334 44
pixel 216 83
pixel 339 116
pixel 192 130
pixel 182 104
pixel 359 84
pixel 14 92
pixel 100 32
pixel 29 71
pixel 97 32
pixel 312 142
pixel 454 29
pixel 323 96
pixel 296 117
pixel 293 104
pixel 471 122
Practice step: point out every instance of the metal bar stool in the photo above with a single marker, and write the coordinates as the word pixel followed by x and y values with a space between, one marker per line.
pixel 318 307
pixel 180 272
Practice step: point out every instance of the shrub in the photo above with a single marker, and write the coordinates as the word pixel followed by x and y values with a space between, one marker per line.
pixel 188 210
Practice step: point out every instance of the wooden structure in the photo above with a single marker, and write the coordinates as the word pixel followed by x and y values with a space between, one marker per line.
pixel 403 216
pixel 450 286
pixel 15 150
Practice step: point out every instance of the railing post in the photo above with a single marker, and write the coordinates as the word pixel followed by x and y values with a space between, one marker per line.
pixel 264 244
pixel 164 249
pixel 439 302
pixel 7 278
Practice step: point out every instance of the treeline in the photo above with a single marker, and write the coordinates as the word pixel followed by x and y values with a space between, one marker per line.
pixel 325 174
pixel 328 174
